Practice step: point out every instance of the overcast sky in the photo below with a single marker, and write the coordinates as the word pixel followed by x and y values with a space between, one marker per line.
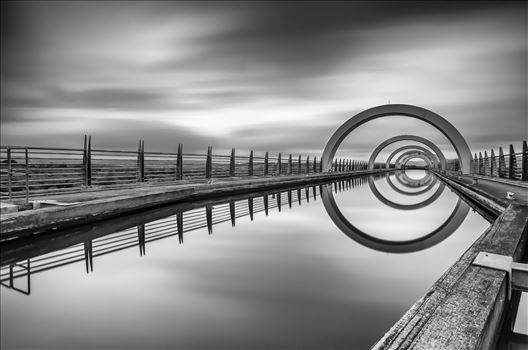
pixel 254 75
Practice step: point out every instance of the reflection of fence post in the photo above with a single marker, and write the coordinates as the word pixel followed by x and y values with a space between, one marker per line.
pixel 209 162
pixel 27 176
pixel 512 162
pixel 179 163
pixel 209 219
pixel 501 162
pixel 141 239
pixel 250 208
pixel 250 165
pixel 266 164
pixel 289 170
pixel 179 226
pixel 88 255
pixel 232 163
pixel 524 176
pixel 232 213
pixel 492 162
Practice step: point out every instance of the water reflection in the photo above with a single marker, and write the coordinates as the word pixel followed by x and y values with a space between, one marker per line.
pixel 253 276
pixel 56 249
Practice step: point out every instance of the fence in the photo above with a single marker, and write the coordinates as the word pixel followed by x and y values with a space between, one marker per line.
pixel 36 171
pixel 513 166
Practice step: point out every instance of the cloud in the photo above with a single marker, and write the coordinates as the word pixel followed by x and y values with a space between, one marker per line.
pixel 275 76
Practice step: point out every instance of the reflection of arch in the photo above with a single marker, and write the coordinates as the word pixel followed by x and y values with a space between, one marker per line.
pixel 410 182
pixel 456 139
pixel 431 156
pixel 407 156
pixel 414 138
pixel 429 184
pixel 439 234
pixel 394 205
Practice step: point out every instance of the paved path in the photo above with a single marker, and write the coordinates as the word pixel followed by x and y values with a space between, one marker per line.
pixel 499 189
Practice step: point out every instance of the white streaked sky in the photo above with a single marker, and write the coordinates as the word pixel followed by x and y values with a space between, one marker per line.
pixel 266 76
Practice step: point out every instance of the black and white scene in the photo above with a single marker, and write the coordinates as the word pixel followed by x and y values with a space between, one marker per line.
pixel 284 175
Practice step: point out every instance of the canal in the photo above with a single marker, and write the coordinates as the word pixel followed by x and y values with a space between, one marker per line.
pixel 329 266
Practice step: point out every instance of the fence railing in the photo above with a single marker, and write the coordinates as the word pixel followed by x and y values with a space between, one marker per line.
pixel 513 166
pixel 36 171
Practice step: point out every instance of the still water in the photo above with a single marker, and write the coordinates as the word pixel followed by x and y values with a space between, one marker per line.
pixel 328 266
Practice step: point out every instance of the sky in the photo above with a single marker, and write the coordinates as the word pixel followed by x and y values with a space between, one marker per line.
pixel 263 76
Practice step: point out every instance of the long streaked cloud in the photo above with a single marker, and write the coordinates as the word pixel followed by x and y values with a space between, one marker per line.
pixel 268 76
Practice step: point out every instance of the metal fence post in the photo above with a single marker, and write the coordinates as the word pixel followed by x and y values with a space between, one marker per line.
pixel 299 170
pixel 480 163
pixel 315 165
pixel 209 162
pixel 524 176
pixel 85 161
pixel 9 175
pixel 141 161
pixel 307 164
pixel 27 176
pixel 289 170
pixel 279 164
pixel 493 166
pixel 512 163
pixel 320 166
pixel 232 163
pixel 486 163
pixel 266 164
pixel 250 165
pixel 179 163
pixel 502 162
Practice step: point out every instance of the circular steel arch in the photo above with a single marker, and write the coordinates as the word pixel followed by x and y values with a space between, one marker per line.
pixel 436 236
pixel 407 156
pixel 431 156
pixel 452 134
pixel 415 138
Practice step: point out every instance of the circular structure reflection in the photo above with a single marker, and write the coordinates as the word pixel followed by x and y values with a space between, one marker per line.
pixel 429 184
pixel 403 178
pixel 399 206
pixel 439 234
